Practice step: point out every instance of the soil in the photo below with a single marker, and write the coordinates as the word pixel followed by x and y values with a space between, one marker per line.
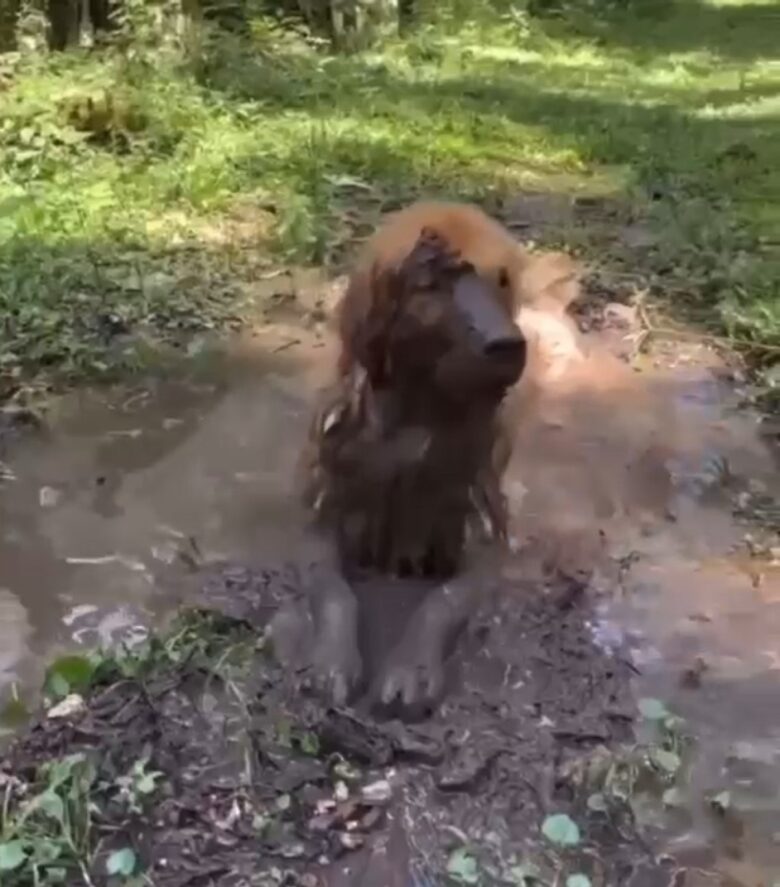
pixel 262 785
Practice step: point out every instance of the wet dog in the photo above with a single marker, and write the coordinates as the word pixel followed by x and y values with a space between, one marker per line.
pixel 408 448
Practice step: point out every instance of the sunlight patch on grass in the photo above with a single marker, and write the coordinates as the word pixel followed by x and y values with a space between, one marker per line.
pixel 679 109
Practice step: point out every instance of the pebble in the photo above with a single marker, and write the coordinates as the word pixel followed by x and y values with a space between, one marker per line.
pixel 350 841
pixel 69 707
pixel 376 792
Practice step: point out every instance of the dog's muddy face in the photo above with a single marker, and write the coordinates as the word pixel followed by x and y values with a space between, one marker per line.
pixel 442 330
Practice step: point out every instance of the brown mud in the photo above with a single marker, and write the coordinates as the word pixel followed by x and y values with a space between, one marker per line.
pixel 633 489
pixel 246 797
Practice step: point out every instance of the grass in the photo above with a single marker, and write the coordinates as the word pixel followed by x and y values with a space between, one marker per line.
pixel 163 209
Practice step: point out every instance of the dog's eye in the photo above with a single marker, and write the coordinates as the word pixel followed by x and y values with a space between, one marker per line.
pixel 503 278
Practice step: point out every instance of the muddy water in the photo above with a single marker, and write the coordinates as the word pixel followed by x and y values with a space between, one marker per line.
pixel 131 486
pixel 636 475
pixel 630 474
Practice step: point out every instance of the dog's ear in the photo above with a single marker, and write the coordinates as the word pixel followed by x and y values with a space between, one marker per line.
pixel 351 317
pixel 364 320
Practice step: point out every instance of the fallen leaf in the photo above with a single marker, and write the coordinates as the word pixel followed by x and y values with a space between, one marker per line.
pixel 562 830
pixel 71 705
pixel 653 709
pixel 121 862
pixel 376 792
pixel 463 867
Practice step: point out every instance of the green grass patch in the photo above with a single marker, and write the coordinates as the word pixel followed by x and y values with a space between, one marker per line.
pixel 678 105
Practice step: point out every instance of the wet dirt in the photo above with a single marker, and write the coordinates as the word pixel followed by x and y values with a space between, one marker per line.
pixel 124 482
pixel 633 489
pixel 263 786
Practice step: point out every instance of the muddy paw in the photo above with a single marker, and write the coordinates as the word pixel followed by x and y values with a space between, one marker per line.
pixel 335 671
pixel 413 680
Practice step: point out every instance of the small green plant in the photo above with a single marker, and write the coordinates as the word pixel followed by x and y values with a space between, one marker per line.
pixel 122 862
pixel 136 786
pixel 463 868
pixel 68 674
pixel 45 826
pixel 653 766
pixel 561 830
pixel 48 819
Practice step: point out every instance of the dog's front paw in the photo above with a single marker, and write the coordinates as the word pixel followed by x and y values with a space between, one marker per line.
pixel 413 676
pixel 336 670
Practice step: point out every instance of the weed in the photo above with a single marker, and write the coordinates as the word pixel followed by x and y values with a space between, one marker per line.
pixel 137 785
pixel 636 776
pixel 45 826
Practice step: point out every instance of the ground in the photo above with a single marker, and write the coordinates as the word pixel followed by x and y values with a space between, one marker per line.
pixel 642 141
pixel 203 762
pixel 199 757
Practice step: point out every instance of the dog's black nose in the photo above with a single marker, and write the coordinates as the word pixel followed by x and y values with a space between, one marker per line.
pixel 507 355
pixel 507 347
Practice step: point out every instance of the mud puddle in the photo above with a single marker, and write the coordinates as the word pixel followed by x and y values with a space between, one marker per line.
pixel 636 489
pixel 660 486
pixel 132 482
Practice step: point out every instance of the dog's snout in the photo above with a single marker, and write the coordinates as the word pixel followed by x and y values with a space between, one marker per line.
pixel 493 334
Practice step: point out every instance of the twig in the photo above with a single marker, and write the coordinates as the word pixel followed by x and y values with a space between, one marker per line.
pixel 285 345
pixel 85 873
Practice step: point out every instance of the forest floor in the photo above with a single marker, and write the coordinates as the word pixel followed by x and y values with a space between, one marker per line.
pixel 198 760
pixel 599 729
pixel 157 211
